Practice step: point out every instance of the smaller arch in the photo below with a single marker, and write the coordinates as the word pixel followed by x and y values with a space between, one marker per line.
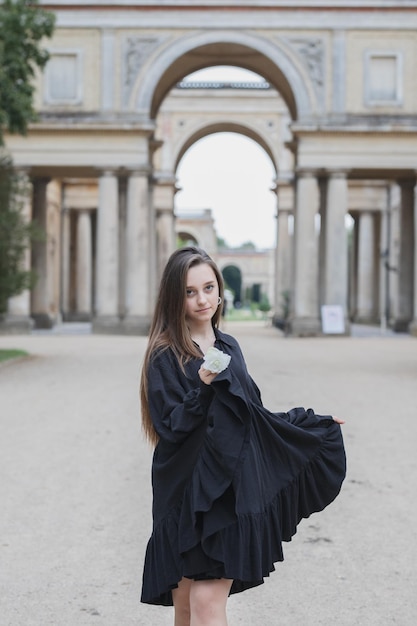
pixel 186 238
pixel 224 127
pixel 232 276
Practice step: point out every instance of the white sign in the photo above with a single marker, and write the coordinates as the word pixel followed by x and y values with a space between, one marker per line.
pixel 332 319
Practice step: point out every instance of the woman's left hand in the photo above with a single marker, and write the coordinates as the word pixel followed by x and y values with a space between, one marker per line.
pixel 338 420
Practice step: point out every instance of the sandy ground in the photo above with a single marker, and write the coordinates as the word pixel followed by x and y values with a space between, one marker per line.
pixel 75 496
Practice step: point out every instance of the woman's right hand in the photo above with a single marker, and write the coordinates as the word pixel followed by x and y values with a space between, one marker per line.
pixel 206 376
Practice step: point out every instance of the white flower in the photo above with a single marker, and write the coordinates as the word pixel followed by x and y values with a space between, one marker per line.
pixel 215 360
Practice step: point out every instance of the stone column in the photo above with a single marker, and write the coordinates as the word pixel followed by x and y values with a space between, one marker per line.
pixel 394 252
pixel 65 262
pixel 305 313
pixel 282 269
pixel 106 318
pixel 165 237
pixel 365 312
pixel 283 263
pixel 163 199
pixel 322 237
pixel 353 267
pixel 335 284
pixel 404 313
pixel 18 318
pixel 413 325
pixel 40 296
pixel 138 254
pixel 84 269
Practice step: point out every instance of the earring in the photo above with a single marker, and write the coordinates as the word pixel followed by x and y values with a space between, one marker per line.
pixel 219 301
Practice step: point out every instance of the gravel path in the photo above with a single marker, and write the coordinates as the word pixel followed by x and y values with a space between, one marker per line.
pixel 75 488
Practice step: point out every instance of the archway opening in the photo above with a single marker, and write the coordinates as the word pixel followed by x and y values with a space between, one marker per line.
pixel 232 277
pixel 186 239
pixel 232 54
pixel 229 167
pixel 221 137
pixel 231 175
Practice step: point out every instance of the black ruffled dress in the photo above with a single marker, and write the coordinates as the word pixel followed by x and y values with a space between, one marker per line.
pixel 231 480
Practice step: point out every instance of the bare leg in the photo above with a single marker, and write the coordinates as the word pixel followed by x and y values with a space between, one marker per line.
pixel 208 600
pixel 181 599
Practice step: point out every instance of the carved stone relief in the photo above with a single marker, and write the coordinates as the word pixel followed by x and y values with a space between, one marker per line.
pixel 136 50
pixel 312 54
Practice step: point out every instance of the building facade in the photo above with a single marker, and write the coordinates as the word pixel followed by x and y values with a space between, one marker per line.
pixel 103 156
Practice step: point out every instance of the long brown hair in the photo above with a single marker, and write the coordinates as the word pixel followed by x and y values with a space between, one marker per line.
pixel 169 328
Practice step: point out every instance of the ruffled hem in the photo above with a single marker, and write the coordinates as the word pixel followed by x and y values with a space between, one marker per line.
pixel 248 548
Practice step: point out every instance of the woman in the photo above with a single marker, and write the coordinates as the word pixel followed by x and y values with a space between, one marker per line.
pixel 231 480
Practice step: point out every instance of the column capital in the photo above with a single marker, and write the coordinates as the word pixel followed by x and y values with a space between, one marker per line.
pixel 160 212
pixel 306 172
pixel 41 180
pixel 107 172
pixel 85 210
pixel 336 173
pixel 409 183
pixel 282 182
pixel 140 170
pixel 167 179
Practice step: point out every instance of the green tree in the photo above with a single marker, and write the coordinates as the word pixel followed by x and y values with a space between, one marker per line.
pixel 246 245
pixel 23 24
pixel 15 234
pixel 233 278
pixel 222 243
pixel 264 304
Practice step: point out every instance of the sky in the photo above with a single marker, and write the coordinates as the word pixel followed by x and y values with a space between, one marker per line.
pixel 232 175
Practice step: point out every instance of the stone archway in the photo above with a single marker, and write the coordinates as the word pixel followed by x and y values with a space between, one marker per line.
pixel 280 62
pixel 262 116
pixel 276 61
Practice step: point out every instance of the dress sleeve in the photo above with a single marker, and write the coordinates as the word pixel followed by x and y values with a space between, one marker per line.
pixel 220 458
pixel 176 404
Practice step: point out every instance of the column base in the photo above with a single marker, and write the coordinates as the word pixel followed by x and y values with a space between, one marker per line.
pixel 77 317
pixel 401 325
pixel 113 325
pixel 106 325
pixel 16 325
pixel 136 325
pixel 281 322
pixel 366 320
pixel 43 320
pixel 413 328
pixel 305 327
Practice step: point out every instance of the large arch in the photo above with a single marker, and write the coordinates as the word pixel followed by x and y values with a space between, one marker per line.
pixel 273 61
